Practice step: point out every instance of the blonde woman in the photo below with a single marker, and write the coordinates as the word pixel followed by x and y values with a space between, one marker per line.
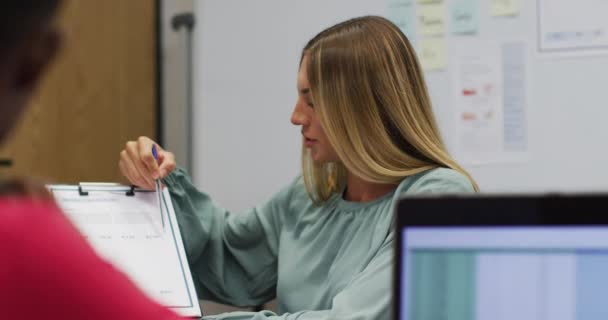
pixel 323 245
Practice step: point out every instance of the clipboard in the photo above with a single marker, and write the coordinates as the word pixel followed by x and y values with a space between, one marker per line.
pixel 124 226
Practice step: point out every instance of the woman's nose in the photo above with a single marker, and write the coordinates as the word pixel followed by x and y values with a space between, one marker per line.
pixel 298 117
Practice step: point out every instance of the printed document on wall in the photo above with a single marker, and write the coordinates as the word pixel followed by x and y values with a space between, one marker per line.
pixel 567 27
pixel 485 132
pixel 515 101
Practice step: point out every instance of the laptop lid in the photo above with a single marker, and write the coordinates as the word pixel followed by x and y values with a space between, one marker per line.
pixel 501 257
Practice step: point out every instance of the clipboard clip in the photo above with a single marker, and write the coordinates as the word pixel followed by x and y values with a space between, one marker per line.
pixel 85 187
pixel 131 191
pixel 81 191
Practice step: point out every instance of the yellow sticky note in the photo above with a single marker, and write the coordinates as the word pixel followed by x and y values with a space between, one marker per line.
pixel 431 19
pixel 504 8
pixel 432 54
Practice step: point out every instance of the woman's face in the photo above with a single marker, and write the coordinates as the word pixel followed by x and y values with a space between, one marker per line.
pixel 313 136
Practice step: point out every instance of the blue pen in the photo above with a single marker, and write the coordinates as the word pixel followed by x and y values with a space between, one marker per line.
pixel 157 182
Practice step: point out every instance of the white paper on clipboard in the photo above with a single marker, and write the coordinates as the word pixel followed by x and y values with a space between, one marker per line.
pixel 130 233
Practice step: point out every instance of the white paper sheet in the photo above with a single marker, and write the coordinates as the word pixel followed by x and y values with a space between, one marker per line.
pixel 128 232
pixel 490 100
pixel 478 102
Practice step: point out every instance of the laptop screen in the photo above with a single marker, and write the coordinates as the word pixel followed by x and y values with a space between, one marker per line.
pixel 496 273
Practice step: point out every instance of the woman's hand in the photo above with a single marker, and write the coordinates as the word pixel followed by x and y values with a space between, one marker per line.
pixel 138 165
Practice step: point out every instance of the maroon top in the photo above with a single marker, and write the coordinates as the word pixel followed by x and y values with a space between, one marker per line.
pixel 49 271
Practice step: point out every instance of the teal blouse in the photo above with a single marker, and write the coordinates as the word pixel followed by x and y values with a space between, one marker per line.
pixel 330 261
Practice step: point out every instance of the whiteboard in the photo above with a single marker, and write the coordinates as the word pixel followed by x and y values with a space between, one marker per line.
pixel 246 58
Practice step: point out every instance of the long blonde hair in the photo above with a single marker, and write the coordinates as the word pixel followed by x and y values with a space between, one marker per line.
pixel 373 104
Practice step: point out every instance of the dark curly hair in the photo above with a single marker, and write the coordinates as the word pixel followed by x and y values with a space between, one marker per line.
pixel 19 17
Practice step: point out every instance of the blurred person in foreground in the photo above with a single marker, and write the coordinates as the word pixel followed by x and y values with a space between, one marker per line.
pixel 46 267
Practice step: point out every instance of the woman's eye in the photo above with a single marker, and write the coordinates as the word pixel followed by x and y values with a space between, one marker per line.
pixel 310 104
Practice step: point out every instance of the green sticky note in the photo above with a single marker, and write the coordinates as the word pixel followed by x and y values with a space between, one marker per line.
pixel 465 16
pixel 403 14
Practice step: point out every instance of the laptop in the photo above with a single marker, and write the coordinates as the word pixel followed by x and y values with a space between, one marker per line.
pixel 541 257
